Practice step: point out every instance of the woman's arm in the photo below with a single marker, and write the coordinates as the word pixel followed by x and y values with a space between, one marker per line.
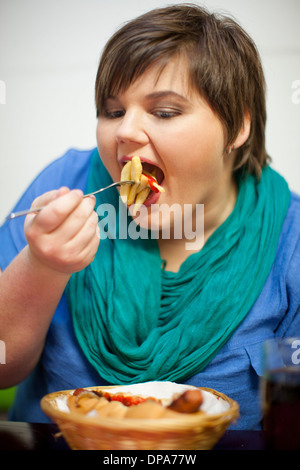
pixel 62 239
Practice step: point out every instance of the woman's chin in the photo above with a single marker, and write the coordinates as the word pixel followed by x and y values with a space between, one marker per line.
pixel 158 219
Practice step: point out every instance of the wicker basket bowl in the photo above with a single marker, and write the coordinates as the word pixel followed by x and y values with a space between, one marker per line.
pixel 193 432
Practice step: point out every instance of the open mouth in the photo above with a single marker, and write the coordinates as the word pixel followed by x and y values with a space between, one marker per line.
pixel 147 178
pixel 154 171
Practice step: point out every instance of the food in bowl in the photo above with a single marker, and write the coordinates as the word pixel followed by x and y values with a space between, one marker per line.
pixel 98 403
pixel 165 393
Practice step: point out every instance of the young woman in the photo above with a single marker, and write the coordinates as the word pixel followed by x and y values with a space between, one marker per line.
pixel 184 90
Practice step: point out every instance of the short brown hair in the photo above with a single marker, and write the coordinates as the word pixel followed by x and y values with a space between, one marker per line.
pixel 224 63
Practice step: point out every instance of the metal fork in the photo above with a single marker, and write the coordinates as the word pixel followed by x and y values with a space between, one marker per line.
pixel 33 210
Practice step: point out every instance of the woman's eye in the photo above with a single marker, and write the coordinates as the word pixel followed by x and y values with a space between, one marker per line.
pixel 166 114
pixel 113 114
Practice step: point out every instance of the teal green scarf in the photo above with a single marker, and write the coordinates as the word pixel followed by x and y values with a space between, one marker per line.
pixel 136 322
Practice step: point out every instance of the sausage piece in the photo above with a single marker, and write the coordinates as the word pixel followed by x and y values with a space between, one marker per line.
pixel 188 402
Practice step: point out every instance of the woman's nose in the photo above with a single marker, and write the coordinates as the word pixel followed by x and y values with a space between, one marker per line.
pixel 132 129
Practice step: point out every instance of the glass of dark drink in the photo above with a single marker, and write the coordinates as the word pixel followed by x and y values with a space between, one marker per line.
pixel 280 393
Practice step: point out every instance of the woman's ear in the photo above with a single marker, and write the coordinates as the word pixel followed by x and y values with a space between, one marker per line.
pixel 244 131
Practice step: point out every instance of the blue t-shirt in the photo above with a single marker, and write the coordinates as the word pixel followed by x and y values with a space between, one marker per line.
pixel 237 367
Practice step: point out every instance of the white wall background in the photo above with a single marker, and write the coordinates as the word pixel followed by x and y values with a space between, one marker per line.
pixel 49 52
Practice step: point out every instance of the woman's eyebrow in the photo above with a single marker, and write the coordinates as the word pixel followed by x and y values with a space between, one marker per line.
pixel 166 94
pixel 156 95
pixel 111 98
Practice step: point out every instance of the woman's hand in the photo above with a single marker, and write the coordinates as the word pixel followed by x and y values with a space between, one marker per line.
pixel 64 236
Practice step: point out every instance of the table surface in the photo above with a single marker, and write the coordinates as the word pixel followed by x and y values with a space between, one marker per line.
pixel 42 436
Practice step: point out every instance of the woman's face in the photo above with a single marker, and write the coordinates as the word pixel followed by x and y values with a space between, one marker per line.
pixel 170 126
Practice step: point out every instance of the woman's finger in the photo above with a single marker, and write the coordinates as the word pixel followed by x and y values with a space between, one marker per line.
pixel 46 198
pixel 42 201
pixel 71 254
pixel 57 211
pixel 81 250
pixel 73 224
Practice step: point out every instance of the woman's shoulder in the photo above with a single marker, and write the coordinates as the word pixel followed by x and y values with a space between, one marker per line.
pixel 69 169
pixel 288 251
pixel 290 234
pixel 286 268
pixel 294 209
